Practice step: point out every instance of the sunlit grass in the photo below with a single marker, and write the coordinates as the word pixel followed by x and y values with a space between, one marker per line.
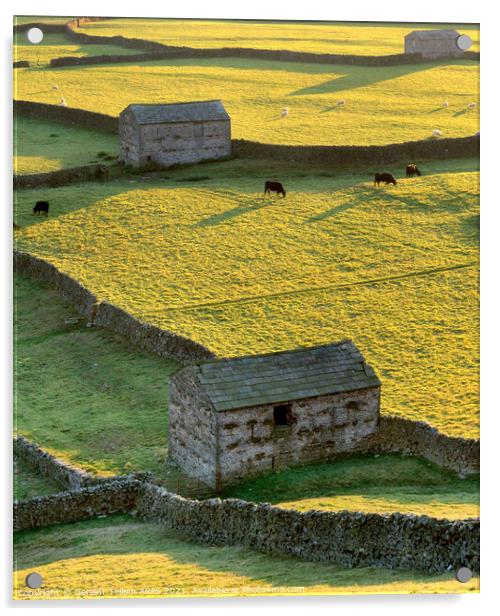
pixel 394 268
pixel 377 38
pixel 382 104
pixel 42 146
pixel 121 557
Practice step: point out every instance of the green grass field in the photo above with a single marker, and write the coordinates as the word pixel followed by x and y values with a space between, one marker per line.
pixel 382 104
pixel 374 484
pixel 82 393
pixel 108 555
pixel 42 146
pixel 395 269
pixel 56 45
pixel 28 482
pixel 319 37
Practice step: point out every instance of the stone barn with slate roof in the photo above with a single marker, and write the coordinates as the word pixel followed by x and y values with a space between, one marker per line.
pixel 174 133
pixel 433 43
pixel 233 418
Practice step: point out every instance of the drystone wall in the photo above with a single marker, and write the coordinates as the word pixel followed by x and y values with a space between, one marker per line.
pixel 67 115
pixel 349 539
pixel 67 476
pixel 118 496
pixel 143 335
pixel 345 538
pixel 456 147
pixel 64 474
pixel 61 177
pixel 417 438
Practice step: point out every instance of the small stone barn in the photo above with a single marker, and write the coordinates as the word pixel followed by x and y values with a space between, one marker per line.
pixel 233 418
pixel 433 43
pixel 174 133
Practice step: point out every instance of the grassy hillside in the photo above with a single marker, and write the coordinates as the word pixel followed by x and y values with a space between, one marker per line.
pixel 395 269
pixel 56 45
pixel 320 37
pixel 108 555
pixel 42 146
pixel 44 19
pixel 382 104
pixel 375 484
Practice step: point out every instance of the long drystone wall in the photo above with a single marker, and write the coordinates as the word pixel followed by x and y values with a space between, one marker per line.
pixel 374 154
pixel 417 438
pixel 346 538
pixel 143 335
pixel 349 539
pixel 61 177
pixel 118 496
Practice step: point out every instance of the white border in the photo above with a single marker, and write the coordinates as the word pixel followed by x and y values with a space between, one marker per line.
pixel 394 10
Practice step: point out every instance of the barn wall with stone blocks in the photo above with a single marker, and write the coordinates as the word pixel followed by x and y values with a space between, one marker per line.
pixel 318 429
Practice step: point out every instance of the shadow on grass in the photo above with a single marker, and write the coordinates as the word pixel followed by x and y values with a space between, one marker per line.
pixel 239 210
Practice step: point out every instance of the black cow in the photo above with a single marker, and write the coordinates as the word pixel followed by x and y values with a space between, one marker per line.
pixel 41 206
pixel 384 177
pixel 276 187
pixel 411 170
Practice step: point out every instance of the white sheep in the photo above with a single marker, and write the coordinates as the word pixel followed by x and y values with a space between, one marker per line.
pixel 284 112
pixel 446 104
pixel 437 133
pixel 341 103
pixel 63 102
pixel 471 105
pixel 55 87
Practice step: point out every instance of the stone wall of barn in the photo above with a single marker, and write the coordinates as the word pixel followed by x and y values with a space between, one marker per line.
pixel 319 428
pixel 192 429
pixel 184 142
pixel 129 133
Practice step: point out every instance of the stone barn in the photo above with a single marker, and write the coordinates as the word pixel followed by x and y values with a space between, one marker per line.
pixel 174 133
pixel 234 418
pixel 435 43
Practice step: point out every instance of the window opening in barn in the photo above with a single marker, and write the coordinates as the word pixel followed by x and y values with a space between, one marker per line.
pixel 282 415
pixel 352 406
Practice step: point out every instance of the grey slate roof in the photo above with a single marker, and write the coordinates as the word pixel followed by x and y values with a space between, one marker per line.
pixel 432 35
pixel 179 112
pixel 285 376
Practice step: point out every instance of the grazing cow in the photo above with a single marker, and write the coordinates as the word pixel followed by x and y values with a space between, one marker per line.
pixel 276 187
pixel 384 177
pixel 411 170
pixel 41 206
